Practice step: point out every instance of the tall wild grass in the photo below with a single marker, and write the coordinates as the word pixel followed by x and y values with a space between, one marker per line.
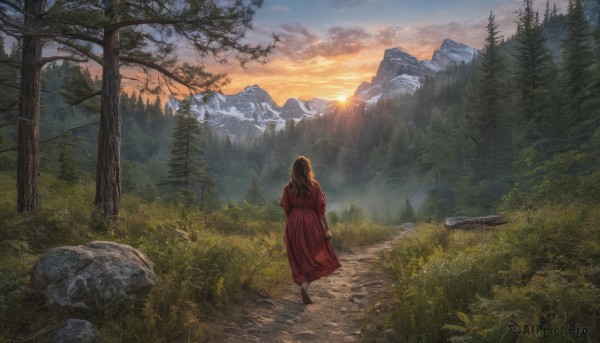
pixel 525 281
pixel 204 261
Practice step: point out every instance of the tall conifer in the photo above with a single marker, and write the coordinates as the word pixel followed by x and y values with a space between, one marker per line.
pixel 188 167
pixel 487 126
pixel 533 62
pixel 577 52
pixel 143 34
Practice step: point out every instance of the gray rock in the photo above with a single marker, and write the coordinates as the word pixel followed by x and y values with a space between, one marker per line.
pixel 75 331
pixel 85 277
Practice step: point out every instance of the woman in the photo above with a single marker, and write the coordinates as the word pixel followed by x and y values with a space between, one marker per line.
pixel 307 235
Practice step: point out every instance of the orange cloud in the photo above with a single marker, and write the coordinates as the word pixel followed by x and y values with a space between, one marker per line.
pixel 332 64
pixel 307 65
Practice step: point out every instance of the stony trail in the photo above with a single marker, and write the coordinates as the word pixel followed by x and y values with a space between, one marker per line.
pixel 340 300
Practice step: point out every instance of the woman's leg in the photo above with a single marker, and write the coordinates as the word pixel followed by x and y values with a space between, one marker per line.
pixel 304 293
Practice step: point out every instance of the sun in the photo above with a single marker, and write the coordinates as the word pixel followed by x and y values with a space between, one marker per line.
pixel 342 98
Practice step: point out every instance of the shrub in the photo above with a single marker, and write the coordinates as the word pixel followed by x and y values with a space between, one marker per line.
pixel 541 269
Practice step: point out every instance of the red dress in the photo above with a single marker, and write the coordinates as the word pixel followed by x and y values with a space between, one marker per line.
pixel 309 252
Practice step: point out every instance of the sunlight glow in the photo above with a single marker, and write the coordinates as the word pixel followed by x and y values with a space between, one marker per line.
pixel 342 98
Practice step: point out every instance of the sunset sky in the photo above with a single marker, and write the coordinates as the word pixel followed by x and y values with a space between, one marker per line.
pixel 328 47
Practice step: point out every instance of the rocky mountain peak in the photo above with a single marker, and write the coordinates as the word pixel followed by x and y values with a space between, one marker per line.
pixel 401 73
pixel 248 113
pixel 255 94
pixel 395 62
pixel 453 52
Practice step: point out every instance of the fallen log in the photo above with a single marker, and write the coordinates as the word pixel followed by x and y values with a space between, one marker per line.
pixel 473 222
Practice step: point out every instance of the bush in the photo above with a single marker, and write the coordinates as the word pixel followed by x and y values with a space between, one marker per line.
pixel 354 214
pixel 203 260
pixel 541 269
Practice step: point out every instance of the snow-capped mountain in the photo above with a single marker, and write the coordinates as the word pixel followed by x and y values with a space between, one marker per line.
pixel 247 114
pixel 401 73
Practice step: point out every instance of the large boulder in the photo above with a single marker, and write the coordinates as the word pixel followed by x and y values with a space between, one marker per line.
pixel 75 331
pixel 86 277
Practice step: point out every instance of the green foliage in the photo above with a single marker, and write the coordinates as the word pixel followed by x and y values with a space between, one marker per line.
pixel 533 63
pixel 577 51
pixel 408 215
pixel 333 217
pixel 189 177
pixel 68 169
pixel 353 214
pixel 471 286
pixel 570 177
pixel 347 235
pixel 253 194
pixel 203 261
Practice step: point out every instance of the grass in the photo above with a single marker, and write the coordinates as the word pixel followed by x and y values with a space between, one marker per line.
pixel 204 261
pixel 540 271
pixel 347 235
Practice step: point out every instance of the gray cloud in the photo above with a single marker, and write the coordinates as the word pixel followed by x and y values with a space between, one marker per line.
pixel 297 42
pixel 388 36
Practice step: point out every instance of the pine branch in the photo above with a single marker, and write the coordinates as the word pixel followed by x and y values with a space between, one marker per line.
pixel 85 98
pixel 169 73
pixel 9 107
pixel 54 137
pixel 47 60
pixel 80 49
pixel 77 146
pixel 8 85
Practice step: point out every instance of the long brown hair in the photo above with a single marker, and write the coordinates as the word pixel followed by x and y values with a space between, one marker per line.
pixel 302 177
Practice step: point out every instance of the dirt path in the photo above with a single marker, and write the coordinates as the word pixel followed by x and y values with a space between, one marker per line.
pixel 334 317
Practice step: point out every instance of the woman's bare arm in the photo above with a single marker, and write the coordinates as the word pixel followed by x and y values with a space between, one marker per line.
pixel 326 223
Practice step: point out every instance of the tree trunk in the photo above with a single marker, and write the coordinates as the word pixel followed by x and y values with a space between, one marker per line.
pixel 28 158
pixel 473 222
pixel 108 167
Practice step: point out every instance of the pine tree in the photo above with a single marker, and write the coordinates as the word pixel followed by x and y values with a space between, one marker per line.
pixel 187 167
pixel 68 169
pixel 533 60
pixel 593 105
pixel 9 101
pixel 397 154
pixel 490 96
pixel 25 21
pixel 408 215
pixel 140 34
pixel 253 194
pixel 577 62
pixel 488 126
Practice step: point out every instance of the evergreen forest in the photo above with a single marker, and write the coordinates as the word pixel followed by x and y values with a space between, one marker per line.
pixel 516 132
